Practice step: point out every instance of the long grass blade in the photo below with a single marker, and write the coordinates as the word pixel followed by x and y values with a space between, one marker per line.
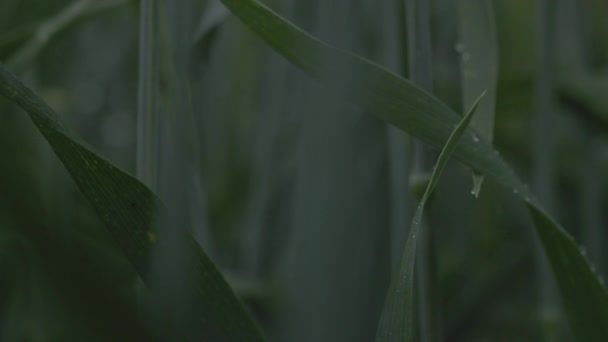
pixel 418 13
pixel 396 322
pixel 544 179
pixel 148 116
pixel 400 197
pixel 400 103
pixel 130 212
pixel 418 20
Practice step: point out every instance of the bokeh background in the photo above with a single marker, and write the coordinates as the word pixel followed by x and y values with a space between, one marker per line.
pixel 287 186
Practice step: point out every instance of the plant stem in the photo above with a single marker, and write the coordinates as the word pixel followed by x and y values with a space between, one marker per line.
pixel 543 161
pixel 479 63
pixel 574 60
pixel 420 73
pixel 148 126
pixel 591 199
pixel 148 120
pixel 392 56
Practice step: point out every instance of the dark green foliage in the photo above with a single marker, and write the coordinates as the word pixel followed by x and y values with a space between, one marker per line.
pixel 294 183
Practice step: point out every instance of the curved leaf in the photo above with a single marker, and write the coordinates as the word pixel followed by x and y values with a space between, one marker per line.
pixel 399 102
pixel 130 212
pixel 396 322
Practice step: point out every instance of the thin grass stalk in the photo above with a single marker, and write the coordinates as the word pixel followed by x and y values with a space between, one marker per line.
pixel 175 172
pixel 148 117
pixel 399 199
pixel 591 203
pixel 392 57
pixel 148 125
pixel 575 276
pixel 543 161
pixel 396 319
pixel 479 59
pixel 268 172
pixel 574 60
pixel 420 73
pixel 182 122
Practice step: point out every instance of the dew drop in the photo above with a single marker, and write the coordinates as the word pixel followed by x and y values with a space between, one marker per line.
pixel 515 191
pixel 477 182
pixel 583 251
pixel 459 47
pixel 475 138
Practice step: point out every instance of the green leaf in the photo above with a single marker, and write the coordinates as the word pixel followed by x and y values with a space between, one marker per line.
pixel 396 322
pixel 397 101
pixel 130 212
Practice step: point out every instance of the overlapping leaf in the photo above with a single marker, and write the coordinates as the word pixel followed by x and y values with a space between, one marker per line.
pixel 130 211
pixel 396 322
pixel 402 104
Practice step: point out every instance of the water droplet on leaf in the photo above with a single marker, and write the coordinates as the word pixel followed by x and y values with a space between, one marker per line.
pixel 477 182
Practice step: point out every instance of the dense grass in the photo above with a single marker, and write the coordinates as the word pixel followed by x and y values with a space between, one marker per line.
pixel 294 179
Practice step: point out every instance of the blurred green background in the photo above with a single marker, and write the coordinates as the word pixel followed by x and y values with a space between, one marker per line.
pixel 289 189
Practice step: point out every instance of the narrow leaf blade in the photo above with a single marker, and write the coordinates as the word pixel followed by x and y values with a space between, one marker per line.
pixel 396 322
pixel 130 212
pixel 410 108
